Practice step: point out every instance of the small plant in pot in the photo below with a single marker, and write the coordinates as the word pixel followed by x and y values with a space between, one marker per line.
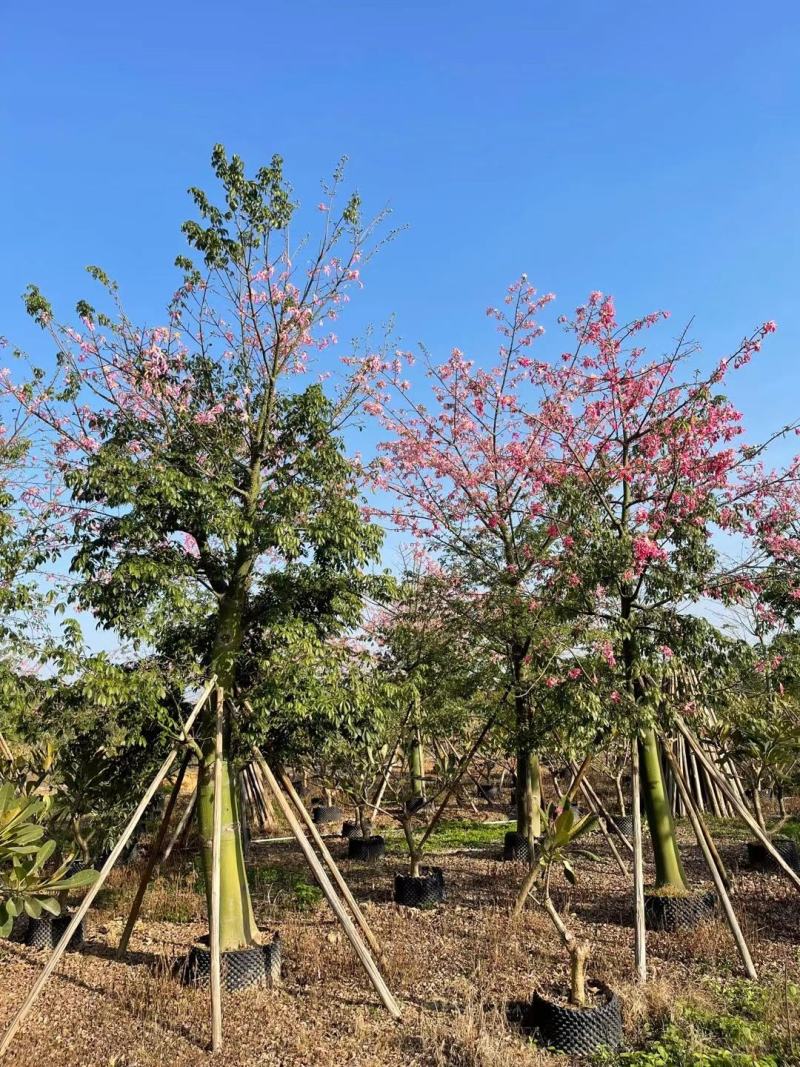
pixel 586 1016
pixel 30 885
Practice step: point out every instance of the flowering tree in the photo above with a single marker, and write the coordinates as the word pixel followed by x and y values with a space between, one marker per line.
pixel 650 455
pixel 472 482
pixel 213 513
pixel 584 490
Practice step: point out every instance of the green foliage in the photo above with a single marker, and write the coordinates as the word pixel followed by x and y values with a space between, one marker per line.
pixel 29 882
pixel 744 1026
pixel 277 883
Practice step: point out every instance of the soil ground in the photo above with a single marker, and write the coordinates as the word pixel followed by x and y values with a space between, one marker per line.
pixel 453 968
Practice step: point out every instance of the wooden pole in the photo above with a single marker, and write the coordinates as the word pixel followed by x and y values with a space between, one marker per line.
pixel 593 808
pixel 727 907
pixel 707 835
pixel 152 858
pixel 86 903
pixel 609 818
pixel 344 889
pixel 640 942
pixel 181 828
pixel 361 950
pixel 216 842
pixel 740 808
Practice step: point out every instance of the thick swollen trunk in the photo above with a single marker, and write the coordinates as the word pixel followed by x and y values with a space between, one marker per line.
pixel 528 794
pixel 669 869
pixel 237 925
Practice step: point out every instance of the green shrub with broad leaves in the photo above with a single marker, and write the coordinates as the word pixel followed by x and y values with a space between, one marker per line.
pixel 30 881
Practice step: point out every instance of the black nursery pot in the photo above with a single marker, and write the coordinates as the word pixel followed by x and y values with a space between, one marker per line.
pixel 239 968
pixel 759 859
pixel 324 815
pixel 366 849
pixel 578 1031
pixel 425 891
pixel 625 824
pixel 671 913
pixel 45 932
pixel 515 847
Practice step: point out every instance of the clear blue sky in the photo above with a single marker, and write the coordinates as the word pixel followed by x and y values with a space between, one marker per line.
pixel 649 150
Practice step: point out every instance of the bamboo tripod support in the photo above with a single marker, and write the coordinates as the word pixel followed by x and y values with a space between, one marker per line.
pixel 738 806
pixel 152 859
pixel 730 915
pixel 87 901
pixel 181 829
pixel 318 870
pixel 344 889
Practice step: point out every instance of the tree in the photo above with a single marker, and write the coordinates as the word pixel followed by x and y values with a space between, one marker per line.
pixel 471 481
pixel 648 454
pixel 215 515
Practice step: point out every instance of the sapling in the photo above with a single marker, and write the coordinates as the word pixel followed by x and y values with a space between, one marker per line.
pixel 561 832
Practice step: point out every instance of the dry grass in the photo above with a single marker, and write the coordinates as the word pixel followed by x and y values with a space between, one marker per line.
pixel 453 969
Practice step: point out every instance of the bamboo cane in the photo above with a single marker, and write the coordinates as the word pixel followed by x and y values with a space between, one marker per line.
pixel 708 838
pixel 344 889
pixel 86 903
pixel 330 894
pixel 601 822
pixel 740 808
pixel 727 907
pixel 640 940
pixel 152 859
pixel 216 882
pixel 610 821
pixel 181 828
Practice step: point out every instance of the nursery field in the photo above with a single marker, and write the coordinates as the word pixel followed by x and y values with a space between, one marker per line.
pixel 454 968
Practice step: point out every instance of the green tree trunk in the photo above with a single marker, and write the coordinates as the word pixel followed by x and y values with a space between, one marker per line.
pixel 669 869
pixel 237 925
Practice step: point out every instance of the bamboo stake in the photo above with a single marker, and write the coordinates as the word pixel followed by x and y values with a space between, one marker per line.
pixel 698 788
pixel 344 889
pixel 640 943
pixel 86 903
pixel 182 827
pixel 707 836
pixel 610 820
pixel 330 894
pixel 727 907
pixel 740 808
pixel 216 882
pixel 152 859
pixel 595 811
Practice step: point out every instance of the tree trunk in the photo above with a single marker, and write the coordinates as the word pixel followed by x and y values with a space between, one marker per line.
pixel 416 765
pixel 669 869
pixel 237 924
pixel 528 795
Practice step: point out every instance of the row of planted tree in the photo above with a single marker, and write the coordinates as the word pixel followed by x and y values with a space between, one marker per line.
pixel 592 548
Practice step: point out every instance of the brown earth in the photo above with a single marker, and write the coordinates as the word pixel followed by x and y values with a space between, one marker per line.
pixel 453 968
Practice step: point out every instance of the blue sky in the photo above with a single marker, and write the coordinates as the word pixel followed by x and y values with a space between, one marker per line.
pixel 649 150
